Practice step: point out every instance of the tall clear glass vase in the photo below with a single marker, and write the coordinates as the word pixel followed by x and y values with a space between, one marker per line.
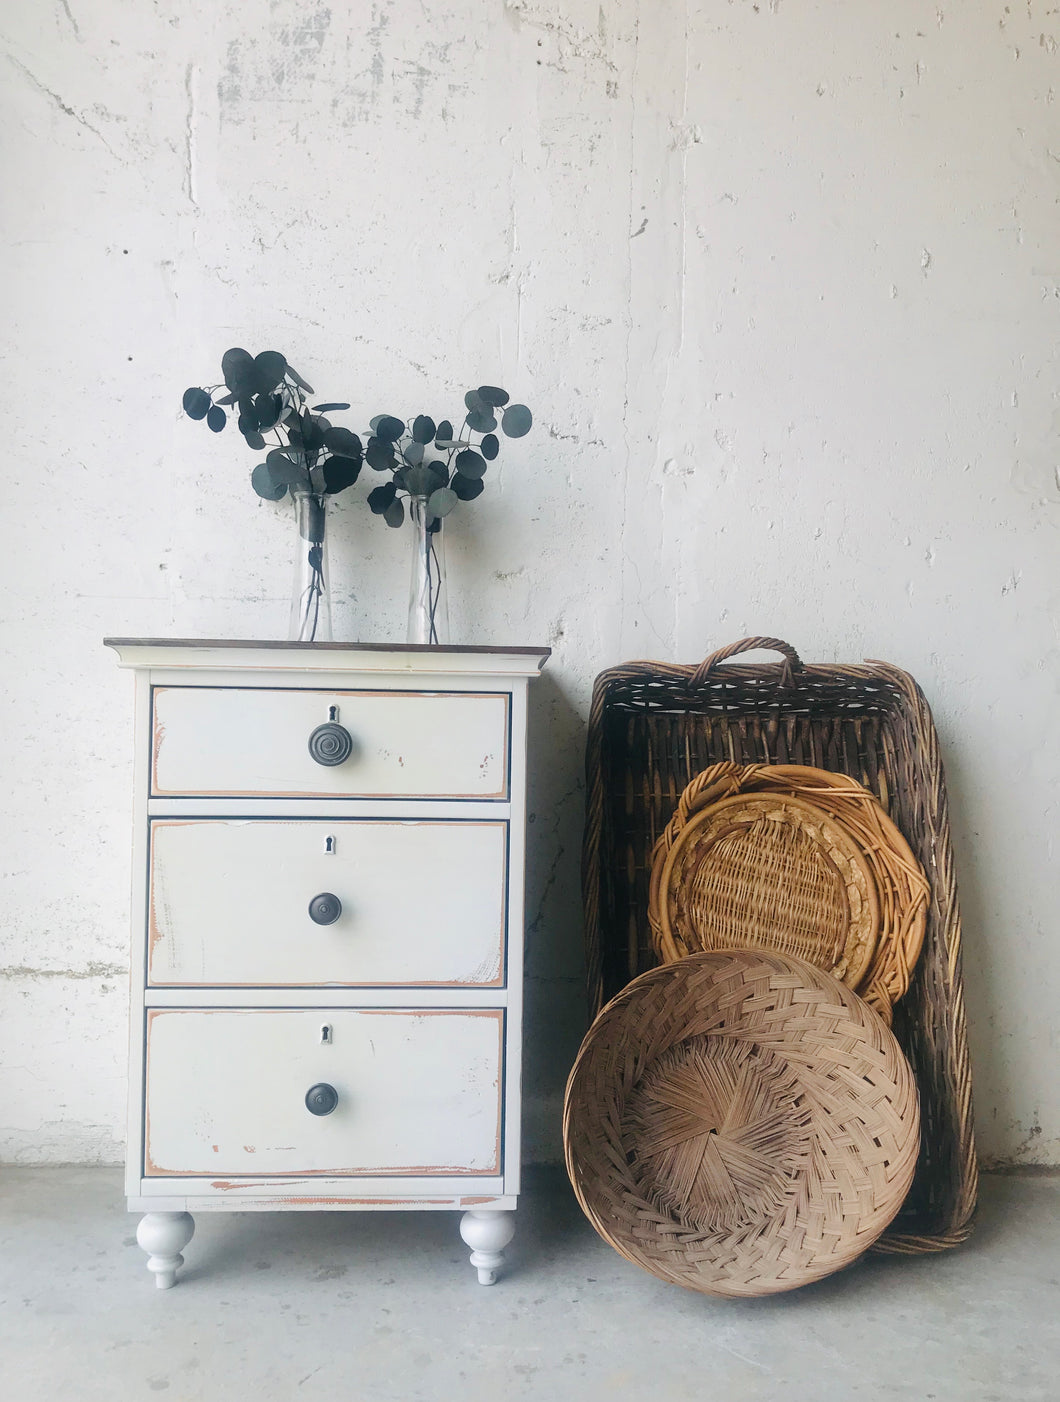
pixel 428 603
pixel 310 591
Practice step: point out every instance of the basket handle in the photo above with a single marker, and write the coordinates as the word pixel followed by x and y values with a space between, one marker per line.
pixel 792 661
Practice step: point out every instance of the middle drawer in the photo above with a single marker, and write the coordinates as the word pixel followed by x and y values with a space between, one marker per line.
pixel 234 902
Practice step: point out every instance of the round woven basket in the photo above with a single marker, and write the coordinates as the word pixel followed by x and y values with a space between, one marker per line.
pixel 788 895
pixel 740 1123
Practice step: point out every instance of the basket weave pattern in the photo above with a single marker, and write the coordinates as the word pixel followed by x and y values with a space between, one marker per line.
pixel 882 975
pixel 764 872
pixel 654 726
pixel 740 1123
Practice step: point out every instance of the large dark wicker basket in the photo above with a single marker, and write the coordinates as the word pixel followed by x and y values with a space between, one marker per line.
pixel 654 726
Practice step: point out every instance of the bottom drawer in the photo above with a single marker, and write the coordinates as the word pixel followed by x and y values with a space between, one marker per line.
pixel 415 1092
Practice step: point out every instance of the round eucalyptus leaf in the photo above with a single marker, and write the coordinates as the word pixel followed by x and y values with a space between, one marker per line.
pixel 444 430
pixel 446 445
pixel 423 428
pixel 389 428
pixel 379 498
pixel 481 422
pixel 474 403
pixel 341 440
pixel 197 403
pixel 228 399
pixel 399 478
pixel 261 481
pixel 379 455
pixel 439 472
pixel 467 488
pixel 253 438
pixel 489 447
pixel 340 472
pixel 470 464
pixel 216 419
pixel 292 374
pixel 328 408
pixel 419 481
pixel 394 515
pixel 237 366
pixel 516 420
pixel 490 394
pixel 287 468
pixel 413 454
pixel 269 369
pixel 441 502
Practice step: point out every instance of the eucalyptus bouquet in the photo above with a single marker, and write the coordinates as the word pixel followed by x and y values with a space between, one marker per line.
pixel 429 462
pixel 432 468
pixel 307 456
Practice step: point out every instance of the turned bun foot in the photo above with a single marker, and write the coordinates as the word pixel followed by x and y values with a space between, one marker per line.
pixel 487 1233
pixel 163 1235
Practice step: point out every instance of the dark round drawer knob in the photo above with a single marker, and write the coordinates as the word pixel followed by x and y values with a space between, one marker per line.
pixel 325 909
pixel 330 743
pixel 321 1099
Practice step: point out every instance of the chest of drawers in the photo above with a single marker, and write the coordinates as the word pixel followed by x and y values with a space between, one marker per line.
pixel 327 923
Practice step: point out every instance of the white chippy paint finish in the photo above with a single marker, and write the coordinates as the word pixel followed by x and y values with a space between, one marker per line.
pixel 255 742
pixel 780 283
pixel 421 1084
pixel 250 923
pixel 418 1093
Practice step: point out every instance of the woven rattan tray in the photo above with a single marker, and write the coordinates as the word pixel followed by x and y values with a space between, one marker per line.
pixel 898 882
pixel 654 726
pixel 766 871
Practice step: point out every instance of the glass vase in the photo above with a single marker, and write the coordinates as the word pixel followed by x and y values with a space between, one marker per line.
pixel 310 593
pixel 428 604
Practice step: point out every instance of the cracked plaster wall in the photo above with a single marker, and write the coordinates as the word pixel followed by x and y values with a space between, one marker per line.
pixel 781 284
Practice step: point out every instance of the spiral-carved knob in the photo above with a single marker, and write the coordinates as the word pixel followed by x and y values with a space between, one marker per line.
pixel 325 909
pixel 330 743
pixel 321 1099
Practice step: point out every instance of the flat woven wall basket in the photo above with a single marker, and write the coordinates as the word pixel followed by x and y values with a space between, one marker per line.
pixel 654 726
pixel 759 894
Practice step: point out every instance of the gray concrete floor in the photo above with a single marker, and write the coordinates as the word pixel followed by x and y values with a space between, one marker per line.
pixel 379 1307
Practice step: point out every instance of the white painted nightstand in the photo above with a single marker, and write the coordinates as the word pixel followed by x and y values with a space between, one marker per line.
pixel 327 933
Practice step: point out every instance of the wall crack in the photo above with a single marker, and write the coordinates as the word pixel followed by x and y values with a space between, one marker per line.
pixel 57 102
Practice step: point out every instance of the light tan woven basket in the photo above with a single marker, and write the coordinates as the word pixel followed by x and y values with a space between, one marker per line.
pixel 804 902
pixel 767 871
pixel 740 1123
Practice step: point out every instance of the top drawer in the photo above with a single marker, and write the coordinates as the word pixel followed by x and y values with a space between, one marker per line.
pixel 253 742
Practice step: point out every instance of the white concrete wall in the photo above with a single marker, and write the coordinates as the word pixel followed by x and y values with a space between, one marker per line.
pixel 781 283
